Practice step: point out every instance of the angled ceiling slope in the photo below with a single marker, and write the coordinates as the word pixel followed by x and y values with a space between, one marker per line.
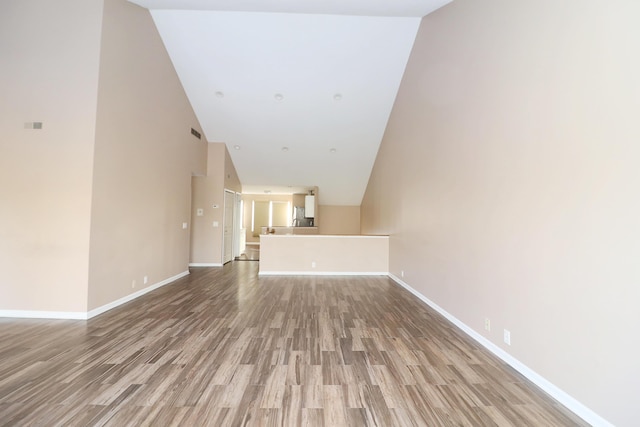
pixel 299 91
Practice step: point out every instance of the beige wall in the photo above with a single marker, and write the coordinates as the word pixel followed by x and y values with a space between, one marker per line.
pixel 291 254
pixel 298 199
pixel 339 219
pixel 144 158
pixel 50 54
pixel 206 240
pixel 231 180
pixel 208 190
pixel 508 179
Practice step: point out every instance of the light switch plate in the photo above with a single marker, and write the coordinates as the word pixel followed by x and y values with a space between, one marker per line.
pixel 185 225
pixel 215 223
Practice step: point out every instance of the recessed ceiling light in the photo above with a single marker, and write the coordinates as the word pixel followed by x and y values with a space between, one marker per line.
pixel 285 148
pixel 237 147
pixel 219 94
pixel 278 96
pixel 332 150
pixel 337 97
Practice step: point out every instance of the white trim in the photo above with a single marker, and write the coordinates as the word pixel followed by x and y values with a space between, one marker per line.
pixel 130 297
pixel 32 314
pixel 569 402
pixel 81 315
pixel 205 264
pixel 321 236
pixel 322 273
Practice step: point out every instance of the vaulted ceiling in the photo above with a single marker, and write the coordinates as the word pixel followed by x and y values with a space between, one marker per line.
pixel 300 91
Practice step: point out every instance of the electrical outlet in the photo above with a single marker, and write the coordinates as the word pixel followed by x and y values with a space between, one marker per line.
pixel 507 337
pixel 487 324
pixel 184 225
pixel 401 273
pixel 133 284
pixel 145 280
pixel 313 264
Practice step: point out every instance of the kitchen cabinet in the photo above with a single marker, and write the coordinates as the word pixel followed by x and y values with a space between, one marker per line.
pixel 309 206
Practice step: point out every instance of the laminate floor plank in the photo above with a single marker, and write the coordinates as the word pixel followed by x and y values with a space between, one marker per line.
pixel 224 347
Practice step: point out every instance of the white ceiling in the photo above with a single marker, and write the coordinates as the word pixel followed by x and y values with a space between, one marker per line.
pixel 337 66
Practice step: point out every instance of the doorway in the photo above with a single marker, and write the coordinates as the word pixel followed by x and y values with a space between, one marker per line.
pixel 228 226
pixel 239 239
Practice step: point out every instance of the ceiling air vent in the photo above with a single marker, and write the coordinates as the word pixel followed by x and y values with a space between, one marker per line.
pixel 195 133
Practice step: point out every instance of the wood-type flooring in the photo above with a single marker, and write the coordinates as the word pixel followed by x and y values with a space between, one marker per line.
pixel 222 347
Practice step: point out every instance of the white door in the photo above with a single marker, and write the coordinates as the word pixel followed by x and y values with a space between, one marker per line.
pixel 229 209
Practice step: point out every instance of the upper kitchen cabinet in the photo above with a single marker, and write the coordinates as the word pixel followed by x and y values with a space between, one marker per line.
pixel 310 206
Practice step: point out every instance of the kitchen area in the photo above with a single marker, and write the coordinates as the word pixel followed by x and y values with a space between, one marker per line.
pixel 303 217
pixel 276 213
pixel 282 232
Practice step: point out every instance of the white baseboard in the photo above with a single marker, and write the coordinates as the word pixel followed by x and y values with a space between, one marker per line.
pixel 131 297
pixel 569 402
pixel 33 314
pixel 81 315
pixel 205 264
pixel 322 273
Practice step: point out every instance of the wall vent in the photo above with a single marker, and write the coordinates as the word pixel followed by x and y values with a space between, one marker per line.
pixel 33 125
pixel 195 133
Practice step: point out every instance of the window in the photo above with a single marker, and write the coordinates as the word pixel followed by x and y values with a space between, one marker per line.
pixel 269 214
